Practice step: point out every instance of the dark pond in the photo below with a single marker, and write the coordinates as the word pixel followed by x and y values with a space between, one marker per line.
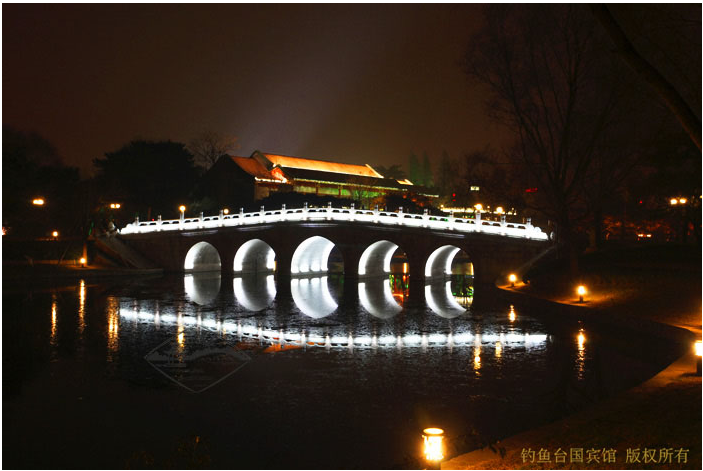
pixel 204 371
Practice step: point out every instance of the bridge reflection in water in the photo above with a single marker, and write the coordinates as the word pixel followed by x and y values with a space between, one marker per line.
pixel 319 297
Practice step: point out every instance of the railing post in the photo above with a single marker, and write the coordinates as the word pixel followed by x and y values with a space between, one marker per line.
pixel 351 212
pixel 201 219
pixel 261 214
pixel 241 215
pixel 400 215
pixel 502 220
pixel 329 210
pixel 283 212
pixel 375 213
pixel 158 225
pixel 425 217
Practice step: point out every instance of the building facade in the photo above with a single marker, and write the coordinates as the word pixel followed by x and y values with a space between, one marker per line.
pixel 236 180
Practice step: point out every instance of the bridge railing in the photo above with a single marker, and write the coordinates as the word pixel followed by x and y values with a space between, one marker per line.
pixel 373 216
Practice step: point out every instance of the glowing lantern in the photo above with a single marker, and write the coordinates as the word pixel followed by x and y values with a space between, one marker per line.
pixel 225 211
pixel 581 290
pixel 432 439
pixel 512 278
pixel 38 201
pixel 55 234
pixel 83 261
pixel 673 201
pixel 682 200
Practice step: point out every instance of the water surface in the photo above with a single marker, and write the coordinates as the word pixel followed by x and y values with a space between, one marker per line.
pixel 206 371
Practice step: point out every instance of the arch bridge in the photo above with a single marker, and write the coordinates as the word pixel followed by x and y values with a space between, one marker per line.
pixel 298 242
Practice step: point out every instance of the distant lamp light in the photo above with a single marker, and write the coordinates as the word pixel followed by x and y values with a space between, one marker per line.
pixel 500 210
pixel 581 338
pixel 682 200
pixel 478 207
pixel 673 201
pixel 55 234
pixel 512 278
pixel 434 448
pixel 225 211
pixel 82 261
pixel 698 347
pixel 38 201
pixel 115 205
pixel 581 290
pixel 182 208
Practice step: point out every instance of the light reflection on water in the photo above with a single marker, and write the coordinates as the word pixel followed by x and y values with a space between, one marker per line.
pixel 581 355
pixel 491 368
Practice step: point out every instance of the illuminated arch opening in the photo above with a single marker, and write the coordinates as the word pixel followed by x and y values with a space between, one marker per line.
pixel 255 256
pixel 448 260
pixel 313 256
pixel 382 258
pixel 202 257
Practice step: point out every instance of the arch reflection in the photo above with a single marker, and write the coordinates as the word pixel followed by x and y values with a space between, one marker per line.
pixel 254 292
pixel 202 257
pixel 202 288
pixel 312 296
pixel 441 300
pixel 376 297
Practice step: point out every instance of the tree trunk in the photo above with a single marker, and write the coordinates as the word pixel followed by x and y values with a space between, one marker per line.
pixel 644 69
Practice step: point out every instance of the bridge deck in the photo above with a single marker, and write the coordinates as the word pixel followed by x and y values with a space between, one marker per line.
pixel 388 218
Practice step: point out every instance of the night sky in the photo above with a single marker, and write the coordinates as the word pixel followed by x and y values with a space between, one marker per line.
pixel 358 84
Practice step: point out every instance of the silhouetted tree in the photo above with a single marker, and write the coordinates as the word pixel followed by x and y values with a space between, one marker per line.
pixel 542 66
pixel 427 179
pixel 31 168
pixel 149 177
pixel 664 88
pixel 394 171
pixel 209 146
pixel 414 170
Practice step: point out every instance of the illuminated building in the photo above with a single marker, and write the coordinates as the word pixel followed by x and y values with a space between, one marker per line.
pixel 242 180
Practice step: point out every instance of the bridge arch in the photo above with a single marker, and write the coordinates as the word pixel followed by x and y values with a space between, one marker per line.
pixel 202 256
pixel 376 259
pixel 439 263
pixel 311 256
pixel 254 256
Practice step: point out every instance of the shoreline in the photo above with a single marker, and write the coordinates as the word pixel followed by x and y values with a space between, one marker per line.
pixel 632 413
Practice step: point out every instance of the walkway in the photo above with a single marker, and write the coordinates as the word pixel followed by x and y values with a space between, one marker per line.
pixel 663 414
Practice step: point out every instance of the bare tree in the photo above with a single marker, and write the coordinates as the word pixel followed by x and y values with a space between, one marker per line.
pixel 664 88
pixel 209 146
pixel 540 64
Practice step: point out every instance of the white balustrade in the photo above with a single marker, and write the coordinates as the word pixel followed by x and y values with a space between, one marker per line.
pixel 353 215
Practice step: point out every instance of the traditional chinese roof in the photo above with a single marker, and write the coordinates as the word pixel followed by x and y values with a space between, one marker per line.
pixel 319 165
pixel 283 169
pixel 254 168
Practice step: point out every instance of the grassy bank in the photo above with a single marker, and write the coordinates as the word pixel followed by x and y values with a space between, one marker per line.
pixel 661 284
